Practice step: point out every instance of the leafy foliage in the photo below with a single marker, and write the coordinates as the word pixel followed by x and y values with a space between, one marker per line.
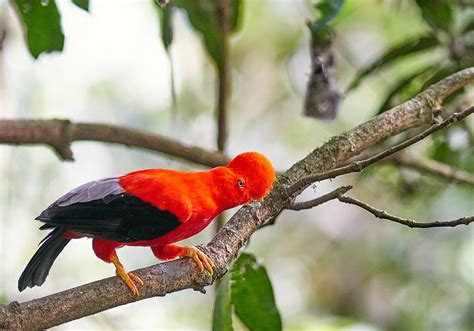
pixel 165 13
pixel 402 85
pixel 460 158
pixel 42 23
pixel 222 316
pixel 250 293
pixel 203 16
pixel 438 14
pixel 395 53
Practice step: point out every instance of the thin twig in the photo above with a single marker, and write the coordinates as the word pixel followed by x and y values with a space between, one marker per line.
pixel 309 204
pixel 433 167
pixel 224 75
pixel 405 221
pixel 320 200
pixel 359 165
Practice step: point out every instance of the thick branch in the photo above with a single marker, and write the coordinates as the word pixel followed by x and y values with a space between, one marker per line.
pixel 432 167
pixel 181 274
pixel 405 221
pixel 59 134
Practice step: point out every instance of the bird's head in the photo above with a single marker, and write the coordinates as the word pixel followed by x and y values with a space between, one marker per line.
pixel 254 174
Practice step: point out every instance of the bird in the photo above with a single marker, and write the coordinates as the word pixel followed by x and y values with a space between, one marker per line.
pixel 154 208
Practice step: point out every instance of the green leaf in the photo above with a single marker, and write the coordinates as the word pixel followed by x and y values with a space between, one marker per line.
pixel 327 11
pixel 165 14
pixel 222 315
pixel 42 23
pixel 83 4
pixel 439 14
pixel 203 16
pixel 400 86
pixel 235 14
pixel 252 295
pixel 409 47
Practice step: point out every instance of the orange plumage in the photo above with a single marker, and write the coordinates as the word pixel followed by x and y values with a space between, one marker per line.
pixel 155 208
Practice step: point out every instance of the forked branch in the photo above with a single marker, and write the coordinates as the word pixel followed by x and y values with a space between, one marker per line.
pixel 357 166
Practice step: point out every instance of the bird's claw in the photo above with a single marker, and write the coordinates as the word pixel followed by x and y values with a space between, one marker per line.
pixel 201 259
pixel 135 278
pixel 127 277
pixel 130 279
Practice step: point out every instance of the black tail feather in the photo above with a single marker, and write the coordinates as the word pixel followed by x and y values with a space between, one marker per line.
pixel 37 269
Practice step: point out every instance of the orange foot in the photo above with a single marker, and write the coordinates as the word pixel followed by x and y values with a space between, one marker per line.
pixel 199 257
pixel 172 251
pixel 128 278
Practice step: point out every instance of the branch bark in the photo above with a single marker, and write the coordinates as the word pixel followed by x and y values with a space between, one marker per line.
pixel 182 274
pixel 59 134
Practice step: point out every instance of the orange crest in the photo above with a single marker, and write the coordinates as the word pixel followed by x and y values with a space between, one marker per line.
pixel 257 172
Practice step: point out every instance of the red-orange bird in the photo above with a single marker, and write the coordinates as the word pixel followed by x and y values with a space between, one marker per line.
pixel 154 207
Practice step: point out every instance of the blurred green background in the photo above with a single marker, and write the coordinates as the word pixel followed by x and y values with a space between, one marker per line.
pixel 334 267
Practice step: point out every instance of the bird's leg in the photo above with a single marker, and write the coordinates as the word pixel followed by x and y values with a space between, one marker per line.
pixel 105 250
pixel 128 278
pixel 171 251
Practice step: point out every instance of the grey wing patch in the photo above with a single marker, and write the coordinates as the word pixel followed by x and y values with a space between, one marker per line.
pixel 95 190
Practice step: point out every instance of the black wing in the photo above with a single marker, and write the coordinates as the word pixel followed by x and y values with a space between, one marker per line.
pixel 103 210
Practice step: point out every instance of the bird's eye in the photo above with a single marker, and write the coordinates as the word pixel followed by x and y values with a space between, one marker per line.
pixel 240 183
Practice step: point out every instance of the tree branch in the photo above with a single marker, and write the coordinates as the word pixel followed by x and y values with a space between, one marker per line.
pixel 59 134
pixel 405 221
pixel 433 167
pixel 181 274
pixel 224 80
pixel 357 166
pixel 319 200
pixel 296 206
pixel 224 75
